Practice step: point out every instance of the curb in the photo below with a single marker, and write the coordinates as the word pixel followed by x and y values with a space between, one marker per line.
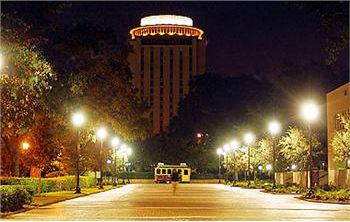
pixel 31 207
pixel 324 201
pixel 274 193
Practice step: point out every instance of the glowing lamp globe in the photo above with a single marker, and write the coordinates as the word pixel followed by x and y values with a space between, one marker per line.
pixel 249 138
pixel 25 145
pixel 226 148
pixel 101 133
pixel 274 127
pixel 219 151
pixel 234 144
pixel 115 141
pixel 309 111
pixel 78 119
pixel 268 167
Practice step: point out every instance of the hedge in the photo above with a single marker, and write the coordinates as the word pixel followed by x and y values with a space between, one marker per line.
pixel 13 197
pixel 136 175
pixel 203 176
pixel 334 194
pixel 50 184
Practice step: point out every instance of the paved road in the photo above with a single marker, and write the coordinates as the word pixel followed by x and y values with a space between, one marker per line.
pixel 192 202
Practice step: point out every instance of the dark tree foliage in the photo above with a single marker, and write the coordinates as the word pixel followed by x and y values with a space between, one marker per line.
pixel 215 107
pixel 334 20
pixel 92 76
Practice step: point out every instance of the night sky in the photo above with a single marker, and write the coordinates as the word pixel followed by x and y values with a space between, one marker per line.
pixel 244 37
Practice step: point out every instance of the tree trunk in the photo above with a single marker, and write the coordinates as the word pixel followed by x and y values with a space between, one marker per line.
pixel 13 151
pixel 39 182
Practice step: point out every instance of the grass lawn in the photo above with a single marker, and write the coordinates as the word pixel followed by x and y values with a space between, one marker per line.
pixel 54 197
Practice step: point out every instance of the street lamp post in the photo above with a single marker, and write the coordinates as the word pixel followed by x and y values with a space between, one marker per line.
pixel 123 149
pixel 269 167
pixel 115 143
pixel 101 134
pixel 260 169
pixel 78 120
pixel 25 147
pixel 249 139
pixel 220 152
pixel 128 153
pixel 234 145
pixel 274 128
pixel 227 148
pixel 310 112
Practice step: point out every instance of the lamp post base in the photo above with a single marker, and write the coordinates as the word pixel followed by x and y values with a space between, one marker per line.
pixel 77 190
pixel 310 194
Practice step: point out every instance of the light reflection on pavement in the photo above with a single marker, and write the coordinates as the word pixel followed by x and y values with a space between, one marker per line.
pixel 191 202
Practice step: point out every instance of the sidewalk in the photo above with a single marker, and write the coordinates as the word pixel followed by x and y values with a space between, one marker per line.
pixel 55 197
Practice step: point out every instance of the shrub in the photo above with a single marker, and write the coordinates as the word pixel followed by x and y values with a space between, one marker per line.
pixel 13 197
pixel 50 184
pixel 207 176
pixel 136 175
pixel 334 194
pixel 257 184
pixel 286 189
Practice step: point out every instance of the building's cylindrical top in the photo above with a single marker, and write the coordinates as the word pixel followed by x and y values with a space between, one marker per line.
pixel 166 25
pixel 166 20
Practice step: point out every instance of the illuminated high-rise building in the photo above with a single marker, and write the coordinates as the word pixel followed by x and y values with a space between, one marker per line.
pixel 167 52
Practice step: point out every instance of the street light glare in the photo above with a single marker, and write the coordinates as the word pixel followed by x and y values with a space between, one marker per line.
pixel 219 151
pixel 128 151
pixel 234 144
pixel 226 148
pixel 78 119
pixel 1 61
pixel 115 141
pixel 123 148
pixel 309 111
pixel 249 138
pixel 260 167
pixel 101 133
pixel 274 127
pixel 25 145
pixel 294 167
pixel 268 167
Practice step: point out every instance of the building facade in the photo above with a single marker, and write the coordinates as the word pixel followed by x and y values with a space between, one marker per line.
pixel 338 104
pixel 167 52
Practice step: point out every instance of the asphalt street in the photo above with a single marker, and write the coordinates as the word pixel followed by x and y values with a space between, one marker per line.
pixel 191 202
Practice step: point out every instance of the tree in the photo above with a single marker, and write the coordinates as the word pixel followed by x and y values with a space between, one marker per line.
pixel 341 142
pixel 295 147
pixel 216 107
pixel 264 151
pixel 24 80
pixel 334 20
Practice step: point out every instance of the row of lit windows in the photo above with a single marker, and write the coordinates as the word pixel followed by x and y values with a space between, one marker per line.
pixel 168 171
pixel 338 122
pixel 162 77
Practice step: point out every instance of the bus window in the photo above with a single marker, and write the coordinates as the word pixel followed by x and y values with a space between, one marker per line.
pixel 179 171
pixel 169 171
pixel 158 171
pixel 163 171
pixel 185 172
